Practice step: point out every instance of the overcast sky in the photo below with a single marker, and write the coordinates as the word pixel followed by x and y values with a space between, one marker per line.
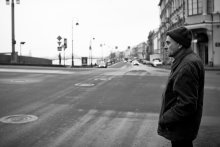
pixel 119 23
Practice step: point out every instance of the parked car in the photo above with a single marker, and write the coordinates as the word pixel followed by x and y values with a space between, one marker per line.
pixel 146 62
pixel 135 62
pixel 102 65
pixel 156 62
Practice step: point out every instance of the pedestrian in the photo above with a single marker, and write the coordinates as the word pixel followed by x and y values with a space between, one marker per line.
pixel 182 100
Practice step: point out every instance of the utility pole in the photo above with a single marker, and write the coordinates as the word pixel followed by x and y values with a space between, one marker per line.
pixel 13 41
pixel 90 48
pixel 72 43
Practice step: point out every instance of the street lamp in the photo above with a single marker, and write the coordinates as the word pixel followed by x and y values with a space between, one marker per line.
pixel 13 41
pixel 21 43
pixel 116 48
pixel 101 45
pixel 90 48
pixel 72 43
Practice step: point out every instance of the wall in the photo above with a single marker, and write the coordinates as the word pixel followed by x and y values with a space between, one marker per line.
pixel 216 48
pixel 155 44
pixel 6 59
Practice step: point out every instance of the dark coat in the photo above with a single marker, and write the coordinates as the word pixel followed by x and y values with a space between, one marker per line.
pixel 182 100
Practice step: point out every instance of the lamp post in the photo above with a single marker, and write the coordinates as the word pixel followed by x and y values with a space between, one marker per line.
pixel 72 43
pixel 116 48
pixel 90 48
pixel 21 43
pixel 102 45
pixel 13 42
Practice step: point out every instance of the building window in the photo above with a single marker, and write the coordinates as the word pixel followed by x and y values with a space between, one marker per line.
pixel 194 7
pixel 210 5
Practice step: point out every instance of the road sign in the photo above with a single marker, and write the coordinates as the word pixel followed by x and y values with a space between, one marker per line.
pixel 59 48
pixel 84 61
pixel 59 43
pixel 59 38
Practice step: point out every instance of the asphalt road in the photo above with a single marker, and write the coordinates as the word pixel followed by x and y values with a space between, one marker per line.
pixel 113 107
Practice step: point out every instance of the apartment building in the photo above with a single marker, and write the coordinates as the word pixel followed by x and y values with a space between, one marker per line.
pixel 202 17
pixel 156 51
pixel 139 51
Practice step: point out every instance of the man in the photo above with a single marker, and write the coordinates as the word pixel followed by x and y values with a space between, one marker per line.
pixel 182 100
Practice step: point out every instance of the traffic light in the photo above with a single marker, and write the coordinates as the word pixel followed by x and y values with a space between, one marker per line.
pixel 65 43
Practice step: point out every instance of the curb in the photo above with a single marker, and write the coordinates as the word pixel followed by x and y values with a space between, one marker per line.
pixel 206 68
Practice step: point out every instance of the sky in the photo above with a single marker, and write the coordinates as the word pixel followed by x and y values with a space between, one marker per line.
pixel 112 23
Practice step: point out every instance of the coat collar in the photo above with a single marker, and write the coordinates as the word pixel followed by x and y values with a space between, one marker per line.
pixel 183 53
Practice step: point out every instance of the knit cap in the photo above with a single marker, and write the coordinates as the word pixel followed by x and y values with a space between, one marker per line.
pixel 181 35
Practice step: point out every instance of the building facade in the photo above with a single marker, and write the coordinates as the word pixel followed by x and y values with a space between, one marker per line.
pixel 155 51
pixel 202 17
pixel 139 51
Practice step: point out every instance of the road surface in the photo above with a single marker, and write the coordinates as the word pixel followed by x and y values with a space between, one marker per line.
pixel 113 107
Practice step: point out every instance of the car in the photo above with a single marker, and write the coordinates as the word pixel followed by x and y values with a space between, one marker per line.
pixel 156 62
pixel 102 65
pixel 135 62
pixel 146 62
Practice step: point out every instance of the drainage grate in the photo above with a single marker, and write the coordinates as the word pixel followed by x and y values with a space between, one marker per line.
pixel 18 119
pixel 84 84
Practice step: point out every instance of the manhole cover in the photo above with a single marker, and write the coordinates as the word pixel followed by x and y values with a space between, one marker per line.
pixel 85 84
pixel 18 119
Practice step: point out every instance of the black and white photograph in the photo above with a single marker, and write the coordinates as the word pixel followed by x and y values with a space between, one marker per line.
pixel 109 73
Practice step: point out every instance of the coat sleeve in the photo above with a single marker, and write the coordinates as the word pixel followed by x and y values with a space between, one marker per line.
pixel 185 87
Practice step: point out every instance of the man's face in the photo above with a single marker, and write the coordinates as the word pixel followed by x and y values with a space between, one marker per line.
pixel 172 46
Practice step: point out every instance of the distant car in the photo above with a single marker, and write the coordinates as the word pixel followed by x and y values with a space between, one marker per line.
pixel 135 62
pixel 156 62
pixel 146 62
pixel 102 65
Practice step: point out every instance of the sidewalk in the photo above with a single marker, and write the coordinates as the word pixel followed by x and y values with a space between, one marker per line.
pixel 207 68
pixel 216 68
